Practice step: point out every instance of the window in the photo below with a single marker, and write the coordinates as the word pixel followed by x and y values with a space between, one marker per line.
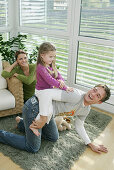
pixel 95 65
pixel 81 30
pixel 95 60
pixel 3 13
pixel 97 19
pixel 49 19
pixel 44 14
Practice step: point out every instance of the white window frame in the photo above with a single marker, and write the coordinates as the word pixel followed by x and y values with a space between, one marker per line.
pixel 75 38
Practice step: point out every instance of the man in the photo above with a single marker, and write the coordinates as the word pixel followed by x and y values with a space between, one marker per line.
pixel 62 102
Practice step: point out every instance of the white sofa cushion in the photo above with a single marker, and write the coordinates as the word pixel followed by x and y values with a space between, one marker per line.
pixel 3 82
pixel 7 100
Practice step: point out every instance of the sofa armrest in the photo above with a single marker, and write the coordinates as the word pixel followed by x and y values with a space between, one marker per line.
pixel 15 86
pixel 5 64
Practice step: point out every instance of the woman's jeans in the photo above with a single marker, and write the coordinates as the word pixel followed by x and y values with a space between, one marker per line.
pixel 30 142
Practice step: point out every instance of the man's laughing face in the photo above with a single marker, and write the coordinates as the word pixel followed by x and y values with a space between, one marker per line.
pixel 94 96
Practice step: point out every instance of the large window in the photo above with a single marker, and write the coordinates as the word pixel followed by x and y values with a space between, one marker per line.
pixel 83 33
pixel 49 21
pixel 81 30
pixel 95 65
pixel 95 60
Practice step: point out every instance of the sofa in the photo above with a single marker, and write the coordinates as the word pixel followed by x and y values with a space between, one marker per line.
pixel 11 93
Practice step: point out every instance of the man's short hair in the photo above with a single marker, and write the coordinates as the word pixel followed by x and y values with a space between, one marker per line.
pixel 107 92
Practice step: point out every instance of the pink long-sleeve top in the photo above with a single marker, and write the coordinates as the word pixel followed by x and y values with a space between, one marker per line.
pixel 45 80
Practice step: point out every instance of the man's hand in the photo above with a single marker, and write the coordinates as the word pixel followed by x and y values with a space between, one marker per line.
pixel 99 149
pixel 38 124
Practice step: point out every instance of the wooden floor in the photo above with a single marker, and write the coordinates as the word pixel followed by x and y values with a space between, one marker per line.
pixel 93 161
pixel 7 164
pixel 89 160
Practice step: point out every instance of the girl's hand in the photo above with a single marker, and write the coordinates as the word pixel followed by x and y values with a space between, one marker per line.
pixel 62 83
pixel 70 89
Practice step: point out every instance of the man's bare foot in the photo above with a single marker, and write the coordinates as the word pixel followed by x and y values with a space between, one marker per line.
pixel 17 119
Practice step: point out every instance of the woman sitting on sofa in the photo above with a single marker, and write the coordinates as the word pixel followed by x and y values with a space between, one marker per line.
pixel 24 72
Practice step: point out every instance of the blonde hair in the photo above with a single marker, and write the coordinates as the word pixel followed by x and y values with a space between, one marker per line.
pixel 43 49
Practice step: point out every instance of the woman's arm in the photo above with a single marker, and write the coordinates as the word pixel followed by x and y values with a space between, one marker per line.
pixel 28 79
pixel 7 74
pixel 10 68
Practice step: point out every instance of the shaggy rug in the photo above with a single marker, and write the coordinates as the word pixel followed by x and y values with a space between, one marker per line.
pixel 54 156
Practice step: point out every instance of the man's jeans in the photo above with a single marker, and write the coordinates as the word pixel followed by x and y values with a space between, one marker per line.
pixel 30 142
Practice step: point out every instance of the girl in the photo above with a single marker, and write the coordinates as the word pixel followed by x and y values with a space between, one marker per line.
pixel 24 72
pixel 47 77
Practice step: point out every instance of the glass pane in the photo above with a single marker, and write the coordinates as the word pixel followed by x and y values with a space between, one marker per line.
pixel 46 14
pixel 62 46
pixel 95 65
pixel 3 13
pixel 5 36
pixel 97 19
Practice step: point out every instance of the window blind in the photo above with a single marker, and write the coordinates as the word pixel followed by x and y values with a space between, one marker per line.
pixel 3 13
pixel 97 19
pixel 44 14
pixel 95 65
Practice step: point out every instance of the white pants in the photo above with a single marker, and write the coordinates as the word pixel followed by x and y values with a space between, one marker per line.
pixel 45 98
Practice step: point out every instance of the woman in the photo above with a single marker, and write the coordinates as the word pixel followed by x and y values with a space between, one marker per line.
pixel 24 72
